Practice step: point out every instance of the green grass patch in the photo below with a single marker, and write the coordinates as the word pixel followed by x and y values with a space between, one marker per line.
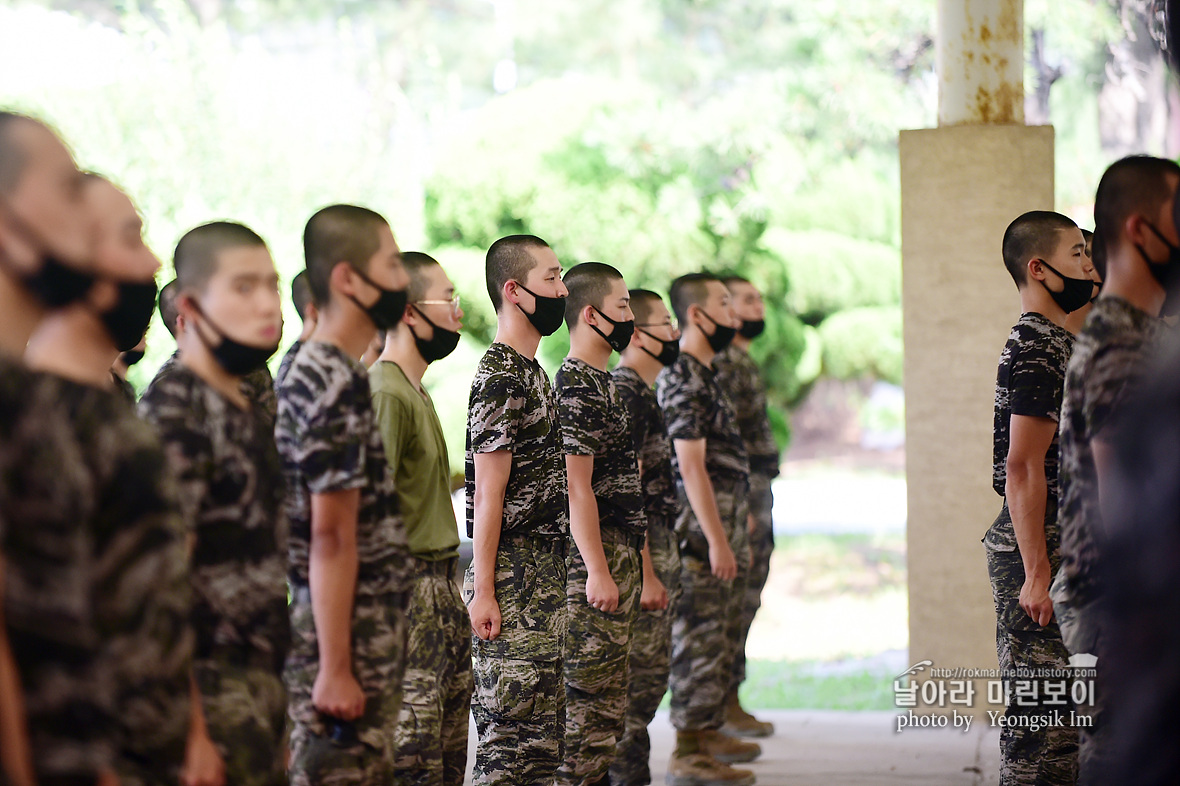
pixel 783 685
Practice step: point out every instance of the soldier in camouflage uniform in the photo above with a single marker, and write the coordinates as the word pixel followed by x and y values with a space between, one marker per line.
pixel 97 589
pixel 433 728
pixel 301 297
pixel 739 376
pixel 1023 546
pixel 710 461
pixel 518 519
pixel 1106 369
pixel 32 157
pixel 606 521
pixel 653 345
pixel 221 447
pixel 344 673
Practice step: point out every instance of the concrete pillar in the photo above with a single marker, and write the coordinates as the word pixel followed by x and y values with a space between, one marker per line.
pixel 980 61
pixel 961 184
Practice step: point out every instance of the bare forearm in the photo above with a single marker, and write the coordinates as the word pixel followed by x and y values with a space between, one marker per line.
pixel 586 531
pixel 332 573
pixel 703 501
pixel 1027 493
pixel 485 540
pixel 649 570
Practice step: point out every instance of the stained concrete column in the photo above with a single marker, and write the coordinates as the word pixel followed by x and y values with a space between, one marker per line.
pixel 961 184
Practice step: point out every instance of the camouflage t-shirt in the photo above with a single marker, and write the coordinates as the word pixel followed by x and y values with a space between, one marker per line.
pixel 739 376
pixel 595 422
pixel 1106 368
pixel 96 583
pixel 231 493
pixel 1030 381
pixel 650 439
pixel 285 363
pixel 512 407
pixel 695 407
pixel 328 440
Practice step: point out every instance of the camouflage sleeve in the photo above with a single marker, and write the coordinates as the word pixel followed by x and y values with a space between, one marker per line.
pixel 495 412
pixel 396 424
pixel 582 412
pixel 633 403
pixel 142 605
pixel 334 447
pixel 684 399
pixel 1035 382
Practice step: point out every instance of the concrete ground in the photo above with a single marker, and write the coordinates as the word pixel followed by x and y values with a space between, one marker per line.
pixel 822 748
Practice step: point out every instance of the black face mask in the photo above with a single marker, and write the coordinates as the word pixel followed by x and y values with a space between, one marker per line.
pixel 1167 274
pixel 236 358
pixel 389 308
pixel 548 312
pixel 131 357
pixel 752 328
pixel 1075 294
pixel 438 346
pixel 722 334
pixel 55 283
pixel 621 332
pixel 669 351
pixel 129 319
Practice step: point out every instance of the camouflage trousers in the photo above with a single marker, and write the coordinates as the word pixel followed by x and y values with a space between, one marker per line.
pixel 651 656
pixel 707 621
pixel 325 752
pixel 761 548
pixel 431 737
pixel 1048 755
pixel 595 661
pixel 246 713
pixel 519 699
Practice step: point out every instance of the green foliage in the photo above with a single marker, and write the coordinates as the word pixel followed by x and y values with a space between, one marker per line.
pixel 863 342
pixel 830 272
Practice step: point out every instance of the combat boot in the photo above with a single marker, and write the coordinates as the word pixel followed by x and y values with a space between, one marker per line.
pixel 690 766
pixel 739 723
pixel 727 749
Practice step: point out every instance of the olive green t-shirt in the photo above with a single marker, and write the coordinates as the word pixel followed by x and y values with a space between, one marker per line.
pixel 417 456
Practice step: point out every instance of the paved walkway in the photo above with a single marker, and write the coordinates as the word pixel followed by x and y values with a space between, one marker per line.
pixel 821 748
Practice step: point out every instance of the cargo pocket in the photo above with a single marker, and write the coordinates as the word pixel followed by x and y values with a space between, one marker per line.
pixel 506 687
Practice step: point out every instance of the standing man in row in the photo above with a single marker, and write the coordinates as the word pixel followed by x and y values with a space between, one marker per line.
pixel 518 519
pixel 431 736
pixel 652 347
pixel 739 376
pixel 606 522
pixel 712 483
pixel 221 448
pixel 347 555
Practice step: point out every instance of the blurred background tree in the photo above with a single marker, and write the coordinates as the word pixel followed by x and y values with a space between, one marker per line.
pixel 661 136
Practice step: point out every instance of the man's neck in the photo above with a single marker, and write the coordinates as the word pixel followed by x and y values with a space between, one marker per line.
pixel 196 357
pixel 19 315
pixel 308 329
pixel 1126 278
pixel 346 327
pixel 1041 302
pixel 515 330
pixel 643 364
pixel 73 343
pixel 742 343
pixel 590 349
pixel 401 349
pixel 696 343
